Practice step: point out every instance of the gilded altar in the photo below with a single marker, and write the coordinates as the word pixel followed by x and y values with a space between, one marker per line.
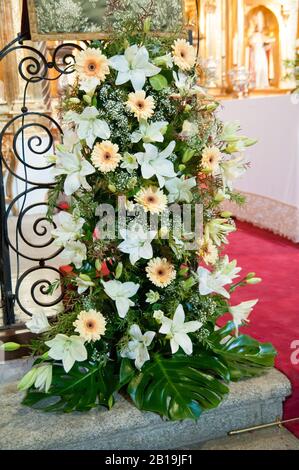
pixel 252 40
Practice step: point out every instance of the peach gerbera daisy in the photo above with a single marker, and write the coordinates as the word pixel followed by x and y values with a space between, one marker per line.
pixel 90 325
pixel 208 251
pixel 160 272
pixel 152 199
pixel 105 156
pixel 184 55
pixel 210 159
pixel 140 105
pixel 92 64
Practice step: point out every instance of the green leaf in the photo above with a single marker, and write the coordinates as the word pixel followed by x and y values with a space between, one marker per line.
pixel 127 371
pixel 244 356
pixel 179 387
pixel 158 82
pixel 84 387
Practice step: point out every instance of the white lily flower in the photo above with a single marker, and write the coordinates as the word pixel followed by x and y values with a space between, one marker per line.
pixel 38 323
pixel 44 377
pixel 121 292
pixel 75 167
pixel 176 330
pixel 186 84
pixel 137 243
pixel 150 132
pixel 232 169
pixel 70 139
pixel 40 376
pixel 68 349
pixel 179 189
pixel 155 163
pixel 129 162
pixel 217 230
pixel 137 348
pixel 241 312
pixel 228 269
pixel 214 282
pixel 74 252
pixel 164 61
pixel 133 66
pixel 90 127
pixel 68 228
pixel 89 85
pixel 229 131
pixel 83 283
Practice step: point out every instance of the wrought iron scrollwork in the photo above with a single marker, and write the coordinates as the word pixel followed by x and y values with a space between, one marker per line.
pixel 33 133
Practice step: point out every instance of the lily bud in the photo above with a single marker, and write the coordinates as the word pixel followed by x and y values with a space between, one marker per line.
pixel 112 188
pixel 84 277
pixel 98 265
pixel 182 167
pixel 28 379
pixel 188 154
pixel 254 280
pixel 10 346
pixel 226 214
pixel 189 283
pixel 119 270
pixel 250 276
pixel 74 100
pixel 87 99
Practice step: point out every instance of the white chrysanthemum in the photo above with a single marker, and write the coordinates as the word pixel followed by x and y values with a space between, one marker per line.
pixel 160 272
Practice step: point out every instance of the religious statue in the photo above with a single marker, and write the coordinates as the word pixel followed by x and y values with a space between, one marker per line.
pixel 261 64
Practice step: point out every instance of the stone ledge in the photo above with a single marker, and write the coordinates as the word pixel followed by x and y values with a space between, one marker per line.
pixel 250 402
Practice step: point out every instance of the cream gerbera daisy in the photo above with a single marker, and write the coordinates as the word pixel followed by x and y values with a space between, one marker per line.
pixel 184 55
pixel 90 325
pixel 160 272
pixel 208 251
pixel 91 63
pixel 105 156
pixel 210 159
pixel 152 199
pixel 140 105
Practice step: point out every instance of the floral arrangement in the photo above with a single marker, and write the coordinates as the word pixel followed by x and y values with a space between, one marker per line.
pixel 141 306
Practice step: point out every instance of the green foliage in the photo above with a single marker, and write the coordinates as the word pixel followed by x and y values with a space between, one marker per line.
pixel 158 82
pixel 243 355
pixel 179 387
pixel 84 387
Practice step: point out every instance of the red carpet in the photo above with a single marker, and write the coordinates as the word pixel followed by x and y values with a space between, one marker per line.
pixel 276 316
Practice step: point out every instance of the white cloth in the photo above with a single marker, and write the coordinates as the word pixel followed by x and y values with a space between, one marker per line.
pixel 272 182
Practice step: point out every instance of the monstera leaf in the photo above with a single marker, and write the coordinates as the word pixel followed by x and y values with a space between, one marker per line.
pixel 244 356
pixel 178 387
pixel 84 387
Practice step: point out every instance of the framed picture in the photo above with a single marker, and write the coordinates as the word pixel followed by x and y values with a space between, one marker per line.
pixel 92 19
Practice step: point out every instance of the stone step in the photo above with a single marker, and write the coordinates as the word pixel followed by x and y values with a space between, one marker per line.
pixel 250 402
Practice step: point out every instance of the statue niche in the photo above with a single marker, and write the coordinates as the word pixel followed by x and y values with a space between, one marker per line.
pixel 262 48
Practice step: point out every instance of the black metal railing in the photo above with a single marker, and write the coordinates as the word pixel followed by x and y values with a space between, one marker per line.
pixel 33 68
